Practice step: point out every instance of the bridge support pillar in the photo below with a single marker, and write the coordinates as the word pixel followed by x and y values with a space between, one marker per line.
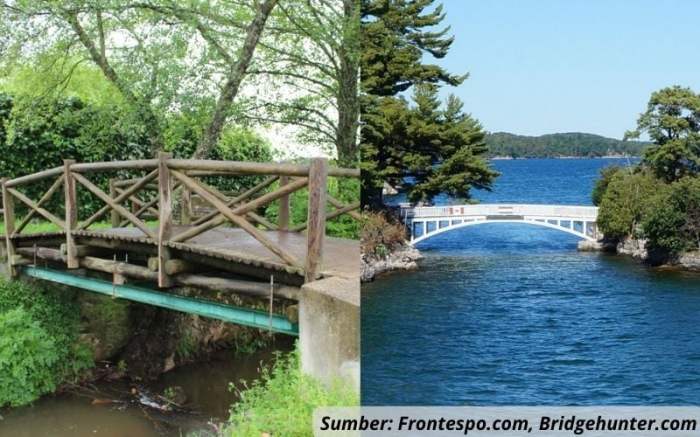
pixel 329 330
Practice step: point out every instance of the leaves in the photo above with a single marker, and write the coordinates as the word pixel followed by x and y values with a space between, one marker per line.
pixel 673 221
pixel 38 345
pixel 163 57
pixel 282 401
pixel 27 357
pixel 672 121
pixel 626 199
pixel 425 146
pixel 427 149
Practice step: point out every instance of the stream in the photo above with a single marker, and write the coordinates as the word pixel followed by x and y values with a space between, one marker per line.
pixel 205 384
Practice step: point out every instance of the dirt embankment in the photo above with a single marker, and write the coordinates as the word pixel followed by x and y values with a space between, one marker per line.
pixel 142 341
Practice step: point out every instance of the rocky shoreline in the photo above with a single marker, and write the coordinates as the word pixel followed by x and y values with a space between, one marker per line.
pixel 637 249
pixel 403 258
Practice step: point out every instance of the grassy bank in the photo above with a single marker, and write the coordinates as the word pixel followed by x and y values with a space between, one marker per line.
pixel 39 348
pixel 40 227
pixel 281 402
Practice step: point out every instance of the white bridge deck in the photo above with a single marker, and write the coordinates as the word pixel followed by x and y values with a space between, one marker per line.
pixel 427 221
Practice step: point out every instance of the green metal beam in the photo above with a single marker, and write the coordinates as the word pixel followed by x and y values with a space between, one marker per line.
pixel 214 310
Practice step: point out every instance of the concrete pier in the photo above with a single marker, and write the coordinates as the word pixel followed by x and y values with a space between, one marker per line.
pixel 329 329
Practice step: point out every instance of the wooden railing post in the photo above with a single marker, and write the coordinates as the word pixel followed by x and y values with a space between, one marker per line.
pixel 185 206
pixel 8 206
pixel 71 205
pixel 283 214
pixel 316 230
pixel 116 219
pixel 165 217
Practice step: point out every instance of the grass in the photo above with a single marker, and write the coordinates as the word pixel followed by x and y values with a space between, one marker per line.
pixel 33 227
pixel 41 227
pixel 282 401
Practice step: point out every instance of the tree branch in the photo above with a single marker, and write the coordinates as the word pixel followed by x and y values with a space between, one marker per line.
pixel 235 77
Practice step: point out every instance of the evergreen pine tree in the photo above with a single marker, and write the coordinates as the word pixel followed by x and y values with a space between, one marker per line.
pixel 418 145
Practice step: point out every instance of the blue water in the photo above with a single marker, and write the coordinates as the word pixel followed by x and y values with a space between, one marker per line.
pixel 503 314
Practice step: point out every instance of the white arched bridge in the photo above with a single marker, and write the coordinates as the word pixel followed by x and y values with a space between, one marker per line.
pixel 425 222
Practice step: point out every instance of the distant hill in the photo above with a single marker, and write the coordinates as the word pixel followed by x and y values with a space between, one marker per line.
pixel 559 145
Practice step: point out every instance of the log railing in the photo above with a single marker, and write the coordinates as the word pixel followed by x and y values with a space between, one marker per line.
pixel 176 181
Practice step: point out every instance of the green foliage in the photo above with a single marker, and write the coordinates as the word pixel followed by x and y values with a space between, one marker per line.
pixel 27 357
pixel 186 345
pixel 122 366
pixel 39 343
pixel 660 201
pixel 108 319
pixel 182 131
pixel 428 148
pixel 239 144
pixel 625 202
pixel 673 221
pixel 51 76
pixel 34 227
pixel 5 113
pixel 343 189
pixel 312 63
pixel 281 402
pixel 249 341
pixel 601 184
pixel 41 133
pixel 160 57
pixel 672 121
pixel 560 144
pixel 641 205
pixel 395 36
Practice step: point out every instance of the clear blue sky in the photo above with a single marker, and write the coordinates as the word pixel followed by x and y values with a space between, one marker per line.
pixel 544 66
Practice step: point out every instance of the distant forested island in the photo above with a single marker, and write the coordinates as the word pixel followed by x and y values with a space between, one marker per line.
pixel 570 144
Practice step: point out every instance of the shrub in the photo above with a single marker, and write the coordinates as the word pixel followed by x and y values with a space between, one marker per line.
pixel 40 134
pixel 672 223
pixel 625 201
pixel 28 355
pixel 239 144
pixel 601 184
pixel 47 320
pixel 345 190
pixel 281 402
pixel 381 235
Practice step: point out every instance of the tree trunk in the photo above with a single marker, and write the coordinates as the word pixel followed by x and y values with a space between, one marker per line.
pixel 238 71
pixel 143 108
pixel 348 98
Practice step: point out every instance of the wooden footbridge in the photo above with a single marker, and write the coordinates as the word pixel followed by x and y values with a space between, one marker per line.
pixel 230 247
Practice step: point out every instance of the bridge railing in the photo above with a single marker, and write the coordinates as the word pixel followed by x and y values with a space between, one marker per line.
pixel 182 178
pixel 505 209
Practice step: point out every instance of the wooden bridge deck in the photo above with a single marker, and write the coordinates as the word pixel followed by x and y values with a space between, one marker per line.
pixel 232 245
pixel 341 256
